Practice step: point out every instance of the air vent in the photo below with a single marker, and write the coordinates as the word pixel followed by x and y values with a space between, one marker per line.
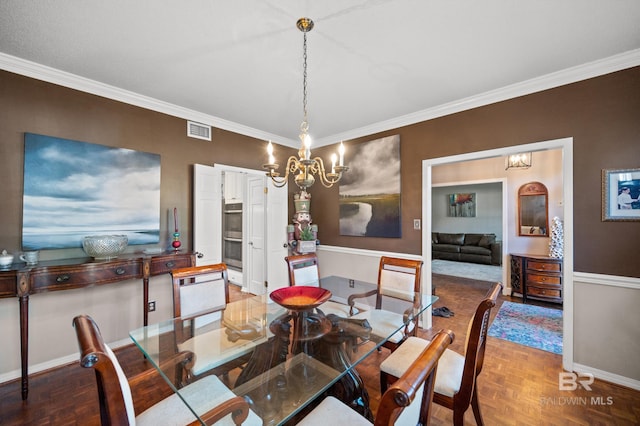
pixel 198 130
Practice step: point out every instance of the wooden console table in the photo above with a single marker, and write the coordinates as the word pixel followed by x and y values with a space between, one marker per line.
pixel 537 276
pixel 68 274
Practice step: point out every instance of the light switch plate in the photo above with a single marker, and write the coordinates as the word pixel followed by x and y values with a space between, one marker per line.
pixel 416 223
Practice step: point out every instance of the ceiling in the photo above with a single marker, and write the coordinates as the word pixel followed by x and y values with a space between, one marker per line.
pixel 372 65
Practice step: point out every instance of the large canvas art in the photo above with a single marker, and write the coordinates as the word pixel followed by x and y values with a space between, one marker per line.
pixel 73 189
pixel 370 190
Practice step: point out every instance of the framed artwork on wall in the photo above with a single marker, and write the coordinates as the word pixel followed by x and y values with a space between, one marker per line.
pixel 74 189
pixel 621 195
pixel 370 193
pixel 461 205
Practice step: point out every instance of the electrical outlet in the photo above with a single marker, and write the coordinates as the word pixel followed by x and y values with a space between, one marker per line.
pixel 152 306
pixel 352 283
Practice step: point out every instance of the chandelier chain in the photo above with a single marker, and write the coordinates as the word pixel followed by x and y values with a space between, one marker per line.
pixel 305 123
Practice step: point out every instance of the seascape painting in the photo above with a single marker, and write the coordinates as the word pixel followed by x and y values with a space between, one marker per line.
pixel 370 190
pixel 73 189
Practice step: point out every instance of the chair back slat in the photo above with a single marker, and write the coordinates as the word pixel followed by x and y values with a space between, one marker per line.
pixel 475 344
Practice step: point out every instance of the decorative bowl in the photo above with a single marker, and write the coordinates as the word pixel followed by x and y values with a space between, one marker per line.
pixel 300 297
pixel 6 259
pixel 104 246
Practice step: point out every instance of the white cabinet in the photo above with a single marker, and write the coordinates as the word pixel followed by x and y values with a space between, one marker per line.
pixel 234 183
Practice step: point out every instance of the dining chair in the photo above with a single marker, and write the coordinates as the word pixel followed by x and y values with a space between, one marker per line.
pixel 399 280
pixel 407 402
pixel 456 383
pixel 200 294
pixel 115 390
pixel 304 270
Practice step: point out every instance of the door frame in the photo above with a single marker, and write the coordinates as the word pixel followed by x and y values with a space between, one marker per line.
pixel 566 146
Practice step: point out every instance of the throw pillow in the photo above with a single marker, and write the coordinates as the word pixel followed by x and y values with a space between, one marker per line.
pixel 487 240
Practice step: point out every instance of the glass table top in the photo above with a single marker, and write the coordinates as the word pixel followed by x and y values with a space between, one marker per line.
pixel 277 359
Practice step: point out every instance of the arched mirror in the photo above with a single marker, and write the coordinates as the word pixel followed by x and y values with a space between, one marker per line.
pixel 533 210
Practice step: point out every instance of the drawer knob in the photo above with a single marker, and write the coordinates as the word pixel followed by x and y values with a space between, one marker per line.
pixel 170 264
pixel 62 278
pixel 120 271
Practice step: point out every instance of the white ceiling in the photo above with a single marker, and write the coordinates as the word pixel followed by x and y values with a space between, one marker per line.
pixel 372 65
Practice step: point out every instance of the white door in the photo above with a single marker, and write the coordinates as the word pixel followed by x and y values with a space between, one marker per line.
pixel 276 237
pixel 207 214
pixel 256 223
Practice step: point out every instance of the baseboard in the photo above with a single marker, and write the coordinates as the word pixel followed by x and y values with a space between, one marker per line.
pixel 608 377
pixel 54 363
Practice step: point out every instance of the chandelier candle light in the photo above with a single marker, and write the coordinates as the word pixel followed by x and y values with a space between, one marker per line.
pixel 304 166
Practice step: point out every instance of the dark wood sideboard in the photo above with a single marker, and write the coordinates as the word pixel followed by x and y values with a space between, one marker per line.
pixel 537 276
pixel 22 281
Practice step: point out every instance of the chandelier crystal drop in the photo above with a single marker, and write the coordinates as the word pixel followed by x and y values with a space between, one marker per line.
pixel 304 167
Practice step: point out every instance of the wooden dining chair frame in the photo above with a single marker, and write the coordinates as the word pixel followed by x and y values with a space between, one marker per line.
pixel 295 262
pixel 410 316
pixel 95 354
pixel 475 347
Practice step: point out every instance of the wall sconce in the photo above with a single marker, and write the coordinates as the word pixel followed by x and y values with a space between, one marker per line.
pixel 519 161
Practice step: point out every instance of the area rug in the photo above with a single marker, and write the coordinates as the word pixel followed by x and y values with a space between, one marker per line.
pixel 529 325
pixel 474 271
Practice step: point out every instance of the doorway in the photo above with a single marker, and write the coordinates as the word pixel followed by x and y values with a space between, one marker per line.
pixel 263 236
pixel 566 146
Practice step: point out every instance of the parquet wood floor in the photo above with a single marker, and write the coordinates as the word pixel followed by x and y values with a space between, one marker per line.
pixel 518 386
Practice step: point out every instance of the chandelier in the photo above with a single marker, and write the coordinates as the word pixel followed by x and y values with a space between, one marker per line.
pixel 304 167
pixel 519 161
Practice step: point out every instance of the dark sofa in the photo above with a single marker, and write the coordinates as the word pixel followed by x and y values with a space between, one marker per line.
pixel 474 248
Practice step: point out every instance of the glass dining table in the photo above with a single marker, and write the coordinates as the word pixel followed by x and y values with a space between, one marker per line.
pixel 278 359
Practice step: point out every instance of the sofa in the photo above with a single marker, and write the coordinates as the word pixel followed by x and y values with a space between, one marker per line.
pixel 464 247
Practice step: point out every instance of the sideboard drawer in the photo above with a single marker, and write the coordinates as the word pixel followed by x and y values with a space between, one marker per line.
pixel 533 279
pixel 8 285
pixel 50 279
pixel 544 266
pixel 544 292
pixel 164 264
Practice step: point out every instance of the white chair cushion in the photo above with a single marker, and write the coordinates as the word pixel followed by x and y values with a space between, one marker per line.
pixel 204 395
pixel 450 366
pixel 214 348
pixel 330 307
pixel 334 412
pixel 383 323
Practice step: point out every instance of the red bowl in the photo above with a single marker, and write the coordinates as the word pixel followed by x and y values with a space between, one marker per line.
pixel 300 297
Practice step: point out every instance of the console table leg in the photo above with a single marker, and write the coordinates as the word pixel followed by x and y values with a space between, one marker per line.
pixel 24 343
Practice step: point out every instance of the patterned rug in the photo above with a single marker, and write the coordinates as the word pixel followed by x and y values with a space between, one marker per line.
pixel 529 325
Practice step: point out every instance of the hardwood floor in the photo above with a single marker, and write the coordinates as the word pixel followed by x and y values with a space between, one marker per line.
pixel 518 385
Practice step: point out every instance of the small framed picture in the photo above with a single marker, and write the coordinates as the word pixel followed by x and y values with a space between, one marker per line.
pixel 621 195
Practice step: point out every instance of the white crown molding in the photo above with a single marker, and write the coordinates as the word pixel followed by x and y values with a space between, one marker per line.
pixel 570 75
pixel 72 81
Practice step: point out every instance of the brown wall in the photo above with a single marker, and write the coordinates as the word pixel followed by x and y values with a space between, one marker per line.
pixel 601 114
pixel 34 106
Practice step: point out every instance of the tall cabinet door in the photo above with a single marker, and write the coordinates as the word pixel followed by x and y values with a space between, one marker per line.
pixel 207 214
pixel 256 224
pixel 276 237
